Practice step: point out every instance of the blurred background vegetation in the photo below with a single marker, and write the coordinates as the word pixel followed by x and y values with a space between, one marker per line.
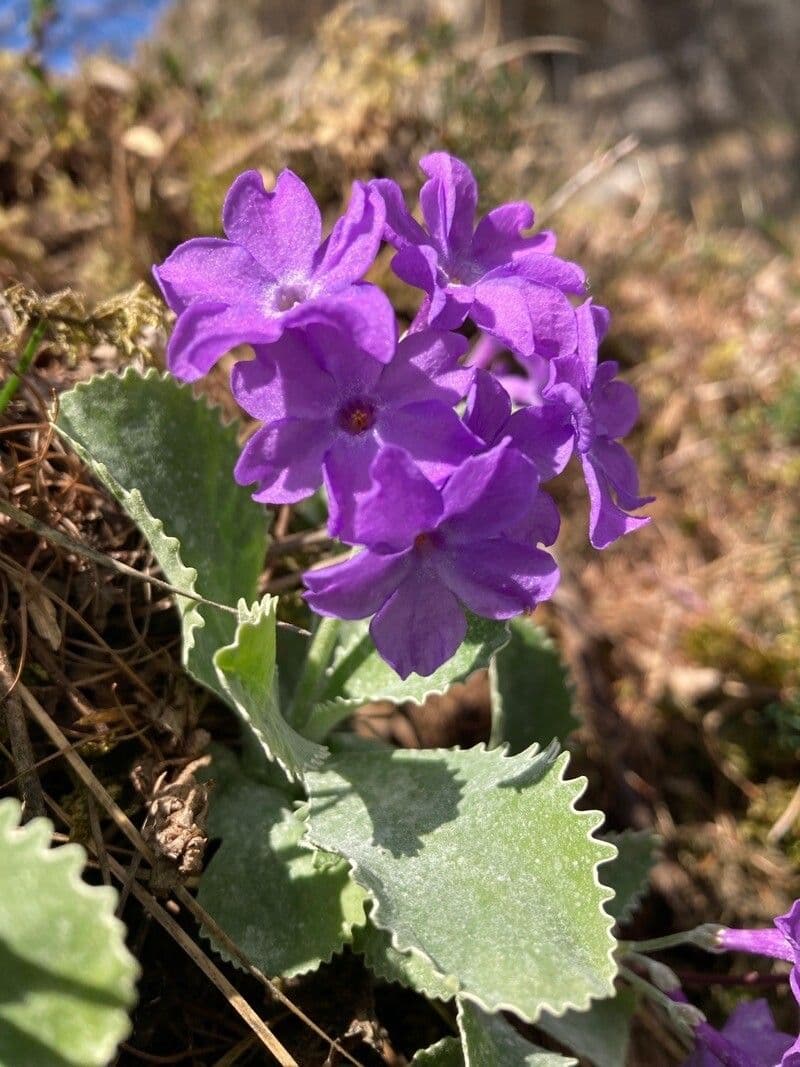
pixel 662 142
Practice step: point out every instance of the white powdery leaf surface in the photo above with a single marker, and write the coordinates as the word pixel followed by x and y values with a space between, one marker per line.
pixel 67 981
pixel 479 862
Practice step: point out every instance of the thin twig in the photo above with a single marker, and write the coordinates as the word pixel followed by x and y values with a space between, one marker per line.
pixel 786 819
pixel 586 175
pixel 21 748
pixel 123 823
pixel 60 539
pixel 544 44
pixel 196 954
pixel 298 542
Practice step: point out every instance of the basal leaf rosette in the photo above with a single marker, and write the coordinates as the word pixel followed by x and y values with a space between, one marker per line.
pixel 479 863
pixel 67 981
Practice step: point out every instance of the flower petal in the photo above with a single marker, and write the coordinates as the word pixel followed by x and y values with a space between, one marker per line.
pixel 418 265
pixel 208 268
pixel 545 434
pixel 488 407
pixel 206 330
pixel 401 503
pixel 400 228
pixel 425 366
pixel 361 316
pixel 541 524
pixel 356 588
pixel 550 270
pixel 420 626
pixel 592 322
pixel 431 433
pixel 498 578
pixel 285 380
pixel 448 200
pixel 350 251
pixel 488 494
pixel 347 479
pixel 281 229
pixel 607 519
pixel 615 405
pixel 498 236
pixel 285 459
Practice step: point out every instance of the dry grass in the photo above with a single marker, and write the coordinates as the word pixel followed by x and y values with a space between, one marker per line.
pixel 684 640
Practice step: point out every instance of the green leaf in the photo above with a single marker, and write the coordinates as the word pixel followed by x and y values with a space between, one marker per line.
pixel 247 676
pixel 168 459
pixel 629 873
pixel 531 695
pixel 478 862
pixel 445 1053
pixel 67 980
pixel 600 1035
pixel 489 1040
pixel 286 907
pixel 407 968
pixel 361 676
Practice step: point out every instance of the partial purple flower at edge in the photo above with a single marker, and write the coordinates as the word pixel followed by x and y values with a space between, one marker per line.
pixel 430 552
pixel 246 289
pixel 575 390
pixel 782 943
pixel 510 285
pixel 328 405
pixel 748 1039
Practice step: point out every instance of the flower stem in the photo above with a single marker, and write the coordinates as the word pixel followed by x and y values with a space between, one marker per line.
pixel 683 1017
pixel 704 936
pixel 26 359
pixel 320 652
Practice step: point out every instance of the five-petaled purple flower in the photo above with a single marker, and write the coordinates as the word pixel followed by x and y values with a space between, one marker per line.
pixel 430 552
pixel 510 285
pixel 330 400
pixel 247 288
pixel 448 509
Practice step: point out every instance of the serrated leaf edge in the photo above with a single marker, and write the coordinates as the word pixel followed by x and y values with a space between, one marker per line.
pixel 346 929
pixel 638 896
pixel 251 616
pixel 37 836
pixel 569 1061
pixel 596 818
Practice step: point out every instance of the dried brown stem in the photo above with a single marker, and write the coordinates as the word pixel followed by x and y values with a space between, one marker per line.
pixel 21 748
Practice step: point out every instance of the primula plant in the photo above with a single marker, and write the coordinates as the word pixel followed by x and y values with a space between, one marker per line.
pixel 470 876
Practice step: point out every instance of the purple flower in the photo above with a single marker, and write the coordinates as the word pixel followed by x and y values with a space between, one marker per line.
pixel 782 943
pixel 329 400
pixel 748 1039
pixel 543 434
pixel 432 551
pixel 510 285
pixel 247 288
pixel 578 392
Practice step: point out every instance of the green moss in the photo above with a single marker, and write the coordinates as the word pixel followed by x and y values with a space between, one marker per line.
pixel 720 644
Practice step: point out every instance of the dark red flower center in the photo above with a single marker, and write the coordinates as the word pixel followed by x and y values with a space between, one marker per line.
pixel 357 416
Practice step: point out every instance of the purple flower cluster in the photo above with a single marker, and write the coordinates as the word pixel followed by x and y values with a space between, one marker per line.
pixel 427 464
